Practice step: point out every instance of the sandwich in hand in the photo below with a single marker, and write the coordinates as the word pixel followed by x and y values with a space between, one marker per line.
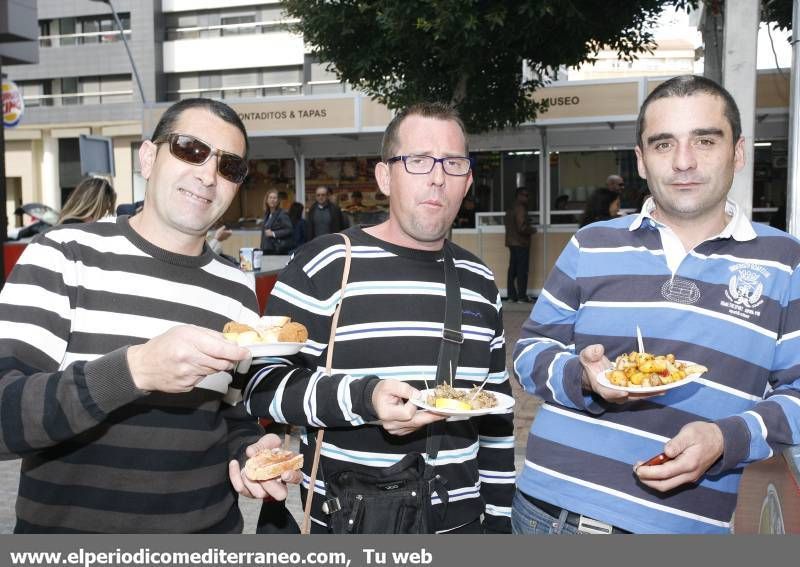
pixel 271 463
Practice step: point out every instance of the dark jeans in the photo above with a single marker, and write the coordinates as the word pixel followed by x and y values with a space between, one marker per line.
pixel 518 272
pixel 528 519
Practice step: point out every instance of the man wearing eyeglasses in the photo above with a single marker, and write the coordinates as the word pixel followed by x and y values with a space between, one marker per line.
pixel 389 334
pixel 117 388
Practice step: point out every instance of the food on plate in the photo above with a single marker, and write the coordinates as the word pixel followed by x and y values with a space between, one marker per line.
pixel 644 370
pixel 449 403
pixel 445 396
pixel 271 463
pixel 293 332
pixel 268 330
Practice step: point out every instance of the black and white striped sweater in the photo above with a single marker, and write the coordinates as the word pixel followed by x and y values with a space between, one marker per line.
pixel 98 454
pixel 391 327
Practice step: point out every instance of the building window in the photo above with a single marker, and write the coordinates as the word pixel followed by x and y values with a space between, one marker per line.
pixel 237 25
pixel 62 32
pixel 235 84
pixel 36 93
pixel 68 86
pixel 319 79
pixel 224 22
pixel 574 176
pixel 770 182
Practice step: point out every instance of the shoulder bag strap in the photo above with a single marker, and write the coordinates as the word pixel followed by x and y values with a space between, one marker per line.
pixel 328 366
pixel 452 337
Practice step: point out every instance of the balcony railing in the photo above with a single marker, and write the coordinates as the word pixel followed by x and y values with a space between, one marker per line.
pixel 84 38
pixel 194 32
pixel 243 91
pixel 252 91
pixel 68 99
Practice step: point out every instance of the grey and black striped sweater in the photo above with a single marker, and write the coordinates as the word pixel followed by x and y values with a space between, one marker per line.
pixel 98 454
pixel 391 327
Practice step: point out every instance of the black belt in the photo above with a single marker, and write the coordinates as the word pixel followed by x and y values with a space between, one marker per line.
pixel 573 519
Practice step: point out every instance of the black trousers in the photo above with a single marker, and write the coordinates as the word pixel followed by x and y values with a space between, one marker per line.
pixel 518 266
pixel 275 518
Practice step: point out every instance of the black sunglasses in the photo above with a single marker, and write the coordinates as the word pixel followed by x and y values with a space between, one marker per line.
pixel 195 151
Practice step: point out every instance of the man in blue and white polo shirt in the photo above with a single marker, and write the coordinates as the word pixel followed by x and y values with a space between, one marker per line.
pixel 702 282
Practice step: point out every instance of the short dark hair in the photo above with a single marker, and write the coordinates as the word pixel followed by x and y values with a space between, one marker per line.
pixel 688 85
pixel 437 110
pixel 166 125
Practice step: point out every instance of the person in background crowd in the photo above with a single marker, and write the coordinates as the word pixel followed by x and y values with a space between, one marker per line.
pixel 518 240
pixel 116 384
pixel 323 217
pixel 615 183
pixel 130 209
pixel 390 332
pixel 561 204
pixel 298 224
pixel 602 204
pixel 93 199
pixel 356 202
pixel 276 233
pixel 703 283
pixel 466 214
pixel 221 234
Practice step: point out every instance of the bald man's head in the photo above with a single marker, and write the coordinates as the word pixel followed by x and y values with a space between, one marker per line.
pixel 615 183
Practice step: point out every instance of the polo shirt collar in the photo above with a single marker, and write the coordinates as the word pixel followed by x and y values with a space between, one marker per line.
pixel 739 227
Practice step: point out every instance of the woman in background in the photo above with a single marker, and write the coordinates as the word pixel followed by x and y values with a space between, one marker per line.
pixel 602 204
pixel 276 237
pixel 93 199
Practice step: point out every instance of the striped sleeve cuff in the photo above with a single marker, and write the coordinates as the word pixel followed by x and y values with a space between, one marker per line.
pixel 573 386
pixel 109 381
pixel 365 407
pixel 736 437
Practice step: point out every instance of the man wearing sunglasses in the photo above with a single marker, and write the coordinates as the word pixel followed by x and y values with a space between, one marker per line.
pixel 389 335
pixel 117 389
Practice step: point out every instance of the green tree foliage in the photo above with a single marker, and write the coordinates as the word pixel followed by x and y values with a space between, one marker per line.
pixel 471 52
pixel 468 52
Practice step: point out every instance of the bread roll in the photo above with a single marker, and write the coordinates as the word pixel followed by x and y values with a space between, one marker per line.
pixel 234 327
pixel 272 463
pixel 293 333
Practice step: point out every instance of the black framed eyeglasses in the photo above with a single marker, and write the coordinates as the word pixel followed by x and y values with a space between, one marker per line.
pixel 197 152
pixel 422 164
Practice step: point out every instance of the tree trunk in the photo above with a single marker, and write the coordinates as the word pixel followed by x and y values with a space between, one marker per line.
pixel 713 38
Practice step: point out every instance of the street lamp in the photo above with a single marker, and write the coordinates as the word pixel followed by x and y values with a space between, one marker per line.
pixel 125 43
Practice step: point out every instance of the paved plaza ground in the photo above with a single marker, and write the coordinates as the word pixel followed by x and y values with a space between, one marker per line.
pixel 514 315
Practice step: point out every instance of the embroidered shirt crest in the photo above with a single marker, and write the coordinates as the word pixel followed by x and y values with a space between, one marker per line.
pixel 744 288
pixel 745 291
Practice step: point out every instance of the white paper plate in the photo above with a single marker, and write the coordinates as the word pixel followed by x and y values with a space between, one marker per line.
pixel 273 349
pixel 504 403
pixel 603 379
